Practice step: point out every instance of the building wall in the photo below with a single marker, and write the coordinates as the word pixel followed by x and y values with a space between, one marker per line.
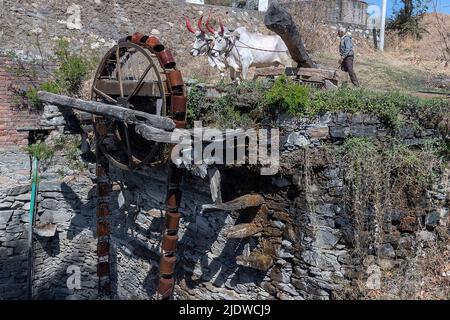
pixel 338 11
pixel 12 119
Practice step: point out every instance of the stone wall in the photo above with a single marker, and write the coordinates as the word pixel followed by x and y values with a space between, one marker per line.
pixel 309 231
pixel 64 202
pixel 95 25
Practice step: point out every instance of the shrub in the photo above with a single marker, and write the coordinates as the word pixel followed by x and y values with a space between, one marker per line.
pixel 252 101
pixel 40 150
pixel 32 94
pixel 238 106
pixel 196 104
pixel 72 68
pixel 407 20
pixel 289 95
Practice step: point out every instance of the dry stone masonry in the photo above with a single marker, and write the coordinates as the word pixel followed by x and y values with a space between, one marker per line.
pixel 306 243
pixel 309 233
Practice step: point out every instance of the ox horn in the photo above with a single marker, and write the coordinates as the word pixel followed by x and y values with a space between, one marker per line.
pixel 222 29
pixel 199 24
pixel 210 29
pixel 188 25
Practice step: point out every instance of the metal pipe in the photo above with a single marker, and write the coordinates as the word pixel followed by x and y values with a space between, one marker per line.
pixel 31 218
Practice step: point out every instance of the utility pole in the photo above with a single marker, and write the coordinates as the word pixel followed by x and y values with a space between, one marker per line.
pixel 383 24
pixel 263 5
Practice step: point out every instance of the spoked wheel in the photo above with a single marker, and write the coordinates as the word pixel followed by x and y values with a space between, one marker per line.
pixel 138 74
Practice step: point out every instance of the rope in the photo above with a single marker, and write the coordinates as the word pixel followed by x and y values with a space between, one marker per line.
pixel 259 49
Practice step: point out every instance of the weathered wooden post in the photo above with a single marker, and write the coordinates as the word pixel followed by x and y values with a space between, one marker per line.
pixel 280 21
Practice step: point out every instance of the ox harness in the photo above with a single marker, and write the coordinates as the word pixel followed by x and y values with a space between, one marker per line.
pixel 206 44
pixel 208 52
pixel 231 44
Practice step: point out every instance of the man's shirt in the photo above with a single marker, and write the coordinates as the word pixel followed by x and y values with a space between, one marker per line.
pixel 346 46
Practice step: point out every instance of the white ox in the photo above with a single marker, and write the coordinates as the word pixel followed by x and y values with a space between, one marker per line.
pixel 203 44
pixel 241 50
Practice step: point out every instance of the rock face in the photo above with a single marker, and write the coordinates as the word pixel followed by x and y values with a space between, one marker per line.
pixel 294 237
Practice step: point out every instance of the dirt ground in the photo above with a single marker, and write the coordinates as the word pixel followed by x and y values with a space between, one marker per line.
pixel 420 66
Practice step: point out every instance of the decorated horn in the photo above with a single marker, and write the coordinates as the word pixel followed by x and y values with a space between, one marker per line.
pixel 199 24
pixel 188 25
pixel 222 29
pixel 210 29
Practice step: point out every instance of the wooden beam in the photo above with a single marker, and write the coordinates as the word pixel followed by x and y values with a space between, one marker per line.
pixel 278 20
pixel 323 74
pixel 147 89
pixel 108 110
pixel 154 134
pixel 243 202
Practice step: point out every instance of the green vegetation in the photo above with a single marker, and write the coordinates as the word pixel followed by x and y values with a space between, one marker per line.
pixel 32 93
pixel 40 150
pixel 393 157
pixel 407 20
pixel 68 145
pixel 195 107
pixel 73 67
pixel 378 177
pixel 391 107
pixel 289 95
pixel 251 102
pixel 239 106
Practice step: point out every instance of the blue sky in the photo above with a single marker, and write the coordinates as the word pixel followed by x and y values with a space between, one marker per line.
pixel 443 5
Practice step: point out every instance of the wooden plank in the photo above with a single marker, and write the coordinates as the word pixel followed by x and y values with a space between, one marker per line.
pixel 243 202
pixel 242 230
pixel 261 72
pixel 112 88
pixel 338 77
pixel 108 110
pixel 317 73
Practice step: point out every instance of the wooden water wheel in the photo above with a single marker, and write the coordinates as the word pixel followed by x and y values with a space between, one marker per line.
pixel 137 73
pixel 140 74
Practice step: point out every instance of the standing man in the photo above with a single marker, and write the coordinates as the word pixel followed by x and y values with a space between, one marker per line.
pixel 347 55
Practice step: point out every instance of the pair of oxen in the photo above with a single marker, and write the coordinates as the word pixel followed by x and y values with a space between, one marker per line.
pixel 237 50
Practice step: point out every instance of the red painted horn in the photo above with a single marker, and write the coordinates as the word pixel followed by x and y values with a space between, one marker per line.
pixel 210 29
pixel 222 29
pixel 199 24
pixel 188 25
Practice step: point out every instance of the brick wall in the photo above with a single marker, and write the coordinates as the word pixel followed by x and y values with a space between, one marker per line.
pixel 12 118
